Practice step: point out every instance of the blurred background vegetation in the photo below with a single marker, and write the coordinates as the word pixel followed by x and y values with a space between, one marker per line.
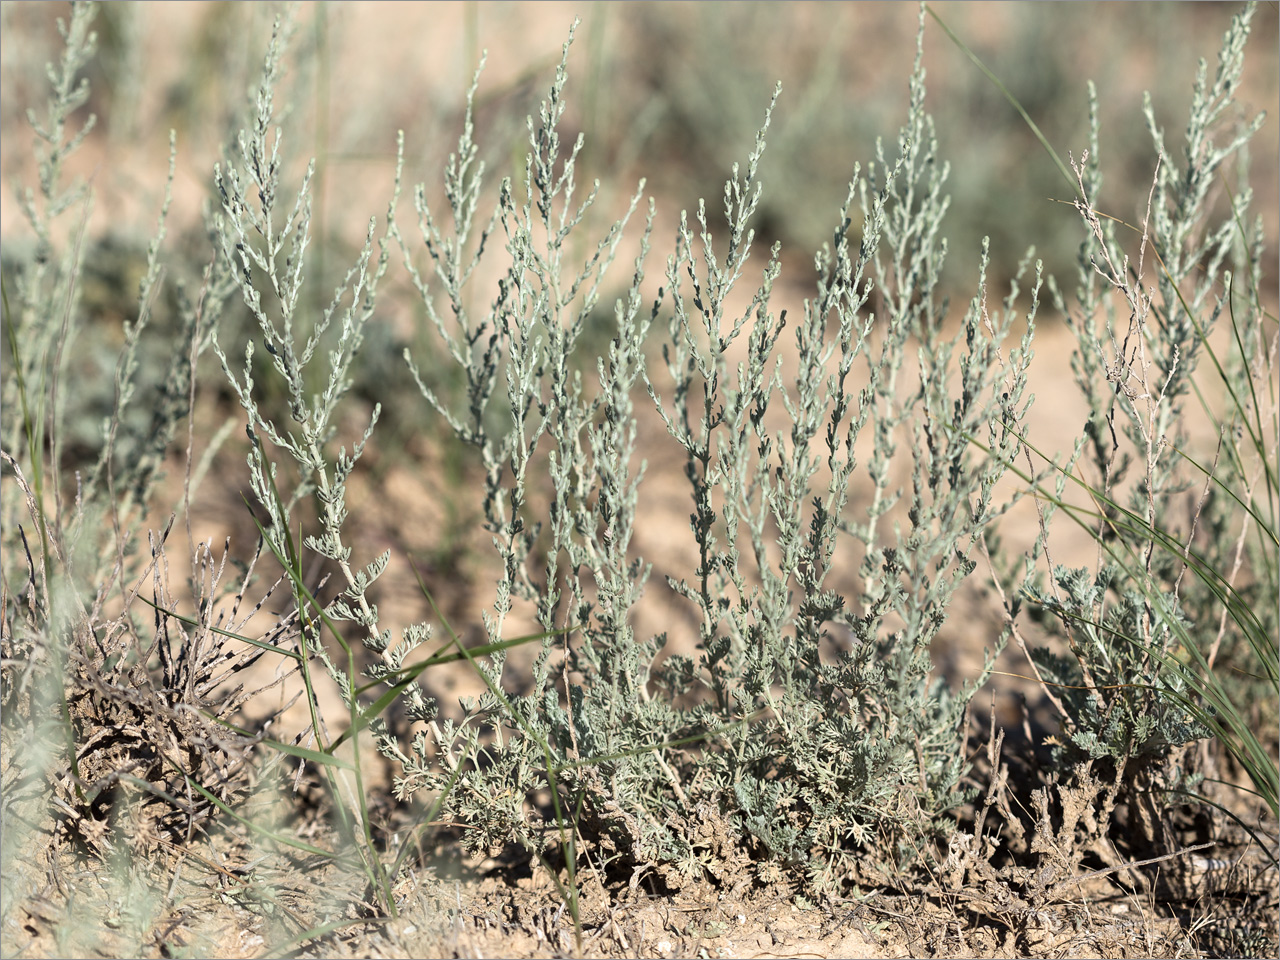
pixel 673 92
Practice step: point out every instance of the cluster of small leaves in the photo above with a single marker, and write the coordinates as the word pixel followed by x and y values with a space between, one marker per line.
pixel 265 241
pixel 815 729
pixel 587 581
pixel 1129 722
pixel 1140 608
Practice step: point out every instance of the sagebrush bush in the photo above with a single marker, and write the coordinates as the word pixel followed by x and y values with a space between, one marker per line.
pixel 847 467
pixel 810 729
pixel 1185 547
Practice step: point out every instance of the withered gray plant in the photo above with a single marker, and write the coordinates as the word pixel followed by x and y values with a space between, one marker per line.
pixel 112 705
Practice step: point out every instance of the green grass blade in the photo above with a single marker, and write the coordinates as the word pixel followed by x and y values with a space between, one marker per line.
pixel 1044 141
